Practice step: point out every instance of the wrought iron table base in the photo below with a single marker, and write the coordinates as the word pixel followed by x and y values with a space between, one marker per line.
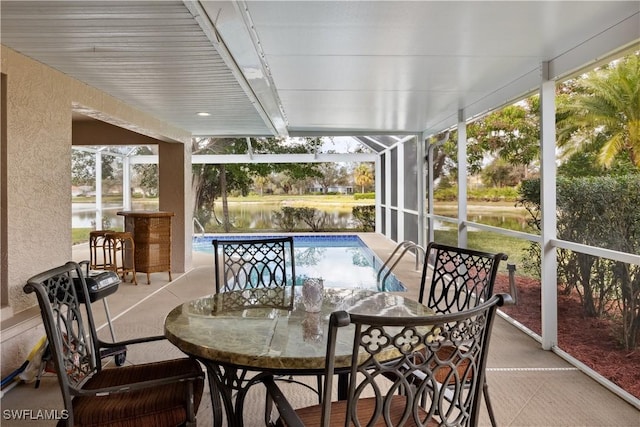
pixel 226 381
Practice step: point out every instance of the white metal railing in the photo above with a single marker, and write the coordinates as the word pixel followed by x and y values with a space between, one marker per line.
pixel 406 245
pixel 197 223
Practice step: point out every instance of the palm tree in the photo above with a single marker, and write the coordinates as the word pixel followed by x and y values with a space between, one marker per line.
pixel 363 176
pixel 606 102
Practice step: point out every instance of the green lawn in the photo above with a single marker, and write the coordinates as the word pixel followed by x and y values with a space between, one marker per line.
pixel 489 242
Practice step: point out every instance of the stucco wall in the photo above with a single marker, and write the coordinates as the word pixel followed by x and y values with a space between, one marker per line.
pixel 38 177
pixel 177 199
pixel 39 122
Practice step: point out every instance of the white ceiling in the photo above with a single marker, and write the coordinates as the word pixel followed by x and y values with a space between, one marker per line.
pixel 318 67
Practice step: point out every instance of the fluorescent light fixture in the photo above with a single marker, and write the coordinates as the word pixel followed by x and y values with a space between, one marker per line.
pixel 203 114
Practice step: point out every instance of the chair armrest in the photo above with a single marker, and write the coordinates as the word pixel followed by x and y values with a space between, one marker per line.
pixel 86 263
pixel 126 388
pixel 287 413
pixel 104 344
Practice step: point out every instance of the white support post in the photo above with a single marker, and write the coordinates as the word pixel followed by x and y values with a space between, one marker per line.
pixel 249 148
pixel 462 180
pixel 387 192
pixel 420 186
pixel 126 183
pixel 378 195
pixel 98 202
pixel 430 188
pixel 400 179
pixel 430 184
pixel 549 290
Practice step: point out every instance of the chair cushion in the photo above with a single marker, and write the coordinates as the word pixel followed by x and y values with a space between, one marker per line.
pixel 311 415
pixel 448 353
pixel 157 406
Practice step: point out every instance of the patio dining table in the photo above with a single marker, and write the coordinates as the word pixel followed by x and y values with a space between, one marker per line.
pixel 266 331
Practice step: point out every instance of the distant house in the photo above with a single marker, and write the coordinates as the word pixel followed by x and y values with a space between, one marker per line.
pixel 340 189
pixel 82 190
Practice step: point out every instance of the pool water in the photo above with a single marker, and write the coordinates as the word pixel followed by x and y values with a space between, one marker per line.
pixel 342 261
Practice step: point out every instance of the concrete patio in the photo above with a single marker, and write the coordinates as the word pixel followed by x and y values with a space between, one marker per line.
pixel 528 386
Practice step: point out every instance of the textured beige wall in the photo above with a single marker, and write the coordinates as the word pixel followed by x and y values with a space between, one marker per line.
pixel 39 107
pixel 38 172
pixel 175 186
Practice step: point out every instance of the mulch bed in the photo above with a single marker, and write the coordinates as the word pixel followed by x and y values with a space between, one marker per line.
pixel 592 341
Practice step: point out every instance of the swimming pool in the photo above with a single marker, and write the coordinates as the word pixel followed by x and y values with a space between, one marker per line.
pixel 343 261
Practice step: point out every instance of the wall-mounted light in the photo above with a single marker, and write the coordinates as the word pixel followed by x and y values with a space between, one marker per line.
pixel 203 114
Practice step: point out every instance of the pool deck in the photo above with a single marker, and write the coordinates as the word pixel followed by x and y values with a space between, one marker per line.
pixel 528 386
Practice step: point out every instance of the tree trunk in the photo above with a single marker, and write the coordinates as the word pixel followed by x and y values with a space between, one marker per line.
pixel 197 182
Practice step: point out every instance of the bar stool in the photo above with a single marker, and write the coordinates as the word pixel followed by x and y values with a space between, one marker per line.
pixel 121 242
pixel 100 253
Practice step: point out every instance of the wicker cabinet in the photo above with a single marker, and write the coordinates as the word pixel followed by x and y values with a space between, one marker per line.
pixel 152 237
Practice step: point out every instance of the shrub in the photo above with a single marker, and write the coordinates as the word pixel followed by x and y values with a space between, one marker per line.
pixel 365 216
pixel 285 219
pixel 314 218
pixel 601 212
pixel 288 218
pixel 364 196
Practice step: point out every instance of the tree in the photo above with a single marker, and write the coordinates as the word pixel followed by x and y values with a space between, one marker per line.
pixel 83 167
pixel 213 181
pixel 606 102
pixel 204 182
pixel 216 181
pixel 260 182
pixel 363 176
pixel 584 162
pixel 510 137
pixel 332 174
pixel 147 173
pixel 500 173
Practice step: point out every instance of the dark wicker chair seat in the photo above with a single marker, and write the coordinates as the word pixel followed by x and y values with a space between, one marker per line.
pixel 165 406
pixel 311 416
pixel 453 356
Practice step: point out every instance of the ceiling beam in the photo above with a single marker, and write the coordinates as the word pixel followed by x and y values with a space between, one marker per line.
pixel 218 159
pixel 96 132
pixel 225 25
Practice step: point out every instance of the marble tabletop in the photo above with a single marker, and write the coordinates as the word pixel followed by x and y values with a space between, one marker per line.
pixel 269 329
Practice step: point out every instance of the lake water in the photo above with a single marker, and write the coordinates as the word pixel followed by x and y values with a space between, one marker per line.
pixel 258 216
pixel 84 214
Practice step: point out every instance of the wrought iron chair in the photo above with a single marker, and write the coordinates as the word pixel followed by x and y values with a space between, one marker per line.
pixel 254 263
pixel 165 393
pixel 258 263
pixel 388 352
pixel 460 279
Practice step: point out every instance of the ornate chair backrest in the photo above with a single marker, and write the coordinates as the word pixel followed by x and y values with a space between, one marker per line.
pixel 254 263
pixel 460 278
pixel 395 360
pixel 68 324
